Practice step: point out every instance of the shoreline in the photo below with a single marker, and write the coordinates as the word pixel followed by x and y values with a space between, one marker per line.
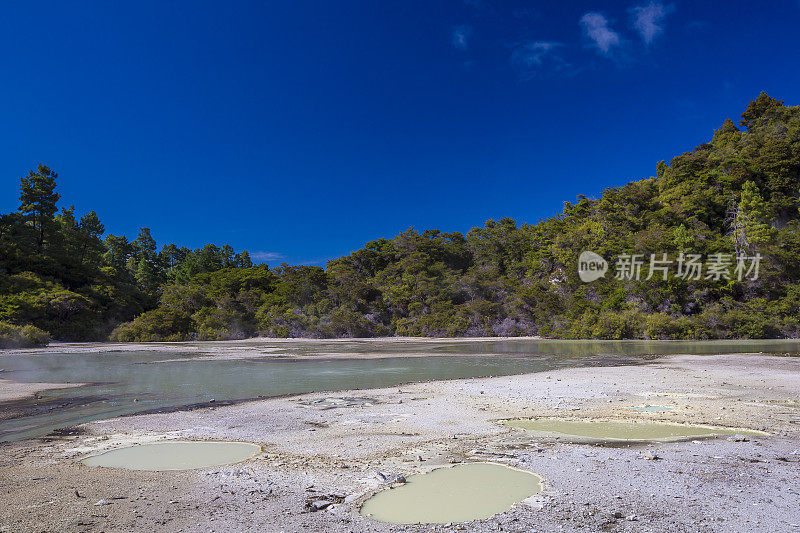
pixel 115 346
pixel 318 449
pixel 263 343
pixel 13 391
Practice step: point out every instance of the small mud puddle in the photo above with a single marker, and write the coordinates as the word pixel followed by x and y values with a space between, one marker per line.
pixel 622 430
pixel 346 401
pixel 175 455
pixel 460 493
pixel 651 408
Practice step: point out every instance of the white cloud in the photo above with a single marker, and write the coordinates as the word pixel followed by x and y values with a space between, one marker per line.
pixel 460 37
pixel 533 54
pixel 266 256
pixel 533 57
pixel 648 20
pixel 597 29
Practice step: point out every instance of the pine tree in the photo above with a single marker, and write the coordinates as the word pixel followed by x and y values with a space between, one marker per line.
pixel 144 264
pixel 39 200
pixel 228 256
pixel 243 259
pixel 91 230
pixel 754 215
pixel 761 107
pixel 681 237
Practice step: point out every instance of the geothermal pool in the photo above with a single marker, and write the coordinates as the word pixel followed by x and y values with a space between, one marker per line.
pixel 460 493
pixel 175 455
pixel 623 430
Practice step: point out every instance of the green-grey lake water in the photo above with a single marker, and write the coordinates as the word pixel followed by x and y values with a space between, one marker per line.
pixel 166 376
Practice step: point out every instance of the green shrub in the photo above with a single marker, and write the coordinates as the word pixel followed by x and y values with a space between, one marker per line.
pixel 12 336
pixel 157 325
pixel 661 326
pixel 618 325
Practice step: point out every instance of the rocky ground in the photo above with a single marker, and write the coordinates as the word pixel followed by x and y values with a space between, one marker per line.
pixel 322 452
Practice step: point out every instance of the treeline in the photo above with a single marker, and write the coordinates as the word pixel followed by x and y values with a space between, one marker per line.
pixel 59 278
pixel 738 193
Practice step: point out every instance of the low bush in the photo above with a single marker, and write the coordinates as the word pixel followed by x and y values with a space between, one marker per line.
pixel 12 336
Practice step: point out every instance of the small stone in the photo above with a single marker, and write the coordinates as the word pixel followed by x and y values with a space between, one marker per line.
pixel 319 505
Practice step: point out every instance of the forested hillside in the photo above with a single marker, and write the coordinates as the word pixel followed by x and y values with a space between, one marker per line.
pixel 737 194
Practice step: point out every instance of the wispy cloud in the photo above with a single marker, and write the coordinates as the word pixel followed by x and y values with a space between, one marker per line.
pixel 648 20
pixel 598 30
pixel 532 57
pixel 460 37
pixel 316 261
pixel 266 256
pixel 533 54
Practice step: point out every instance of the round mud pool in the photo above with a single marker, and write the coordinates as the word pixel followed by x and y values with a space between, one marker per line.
pixel 622 430
pixel 459 493
pixel 175 455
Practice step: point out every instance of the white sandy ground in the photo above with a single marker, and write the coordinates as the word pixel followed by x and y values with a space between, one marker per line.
pixel 315 453
pixel 13 390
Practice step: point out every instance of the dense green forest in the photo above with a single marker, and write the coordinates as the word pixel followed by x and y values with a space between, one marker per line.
pixel 738 193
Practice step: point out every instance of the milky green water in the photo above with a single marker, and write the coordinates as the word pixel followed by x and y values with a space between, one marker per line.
pixel 175 455
pixel 623 429
pixel 460 493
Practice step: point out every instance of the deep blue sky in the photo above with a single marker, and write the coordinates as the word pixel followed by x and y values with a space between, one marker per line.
pixel 301 130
